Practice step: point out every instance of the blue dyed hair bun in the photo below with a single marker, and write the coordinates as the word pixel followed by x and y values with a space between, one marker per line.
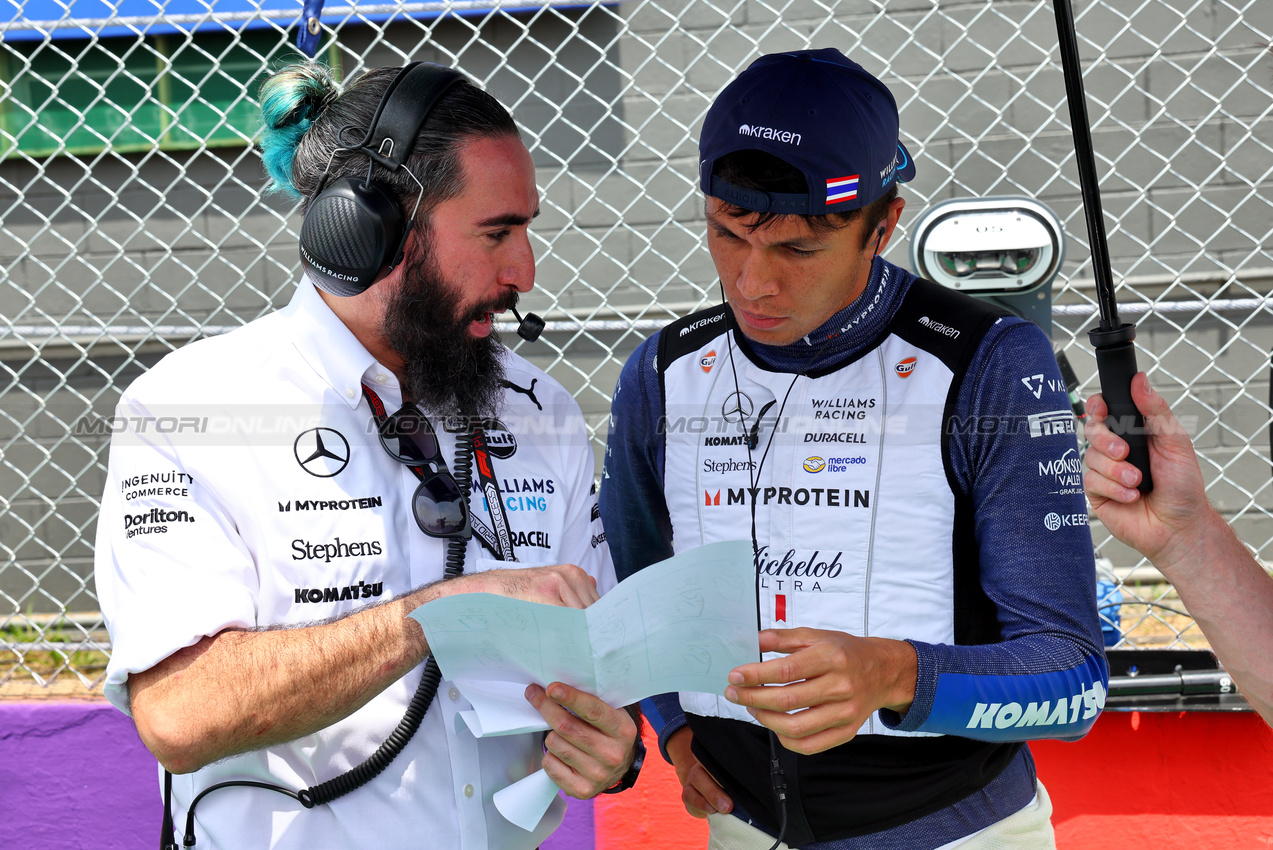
pixel 292 99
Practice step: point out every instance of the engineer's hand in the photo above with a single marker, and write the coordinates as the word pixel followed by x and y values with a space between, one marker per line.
pixel 562 584
pixel 1163 521
pixel 591 745
pixel 699 791
pixel 837 679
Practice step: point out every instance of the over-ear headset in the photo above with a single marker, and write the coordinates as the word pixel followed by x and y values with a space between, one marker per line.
pixel 354 230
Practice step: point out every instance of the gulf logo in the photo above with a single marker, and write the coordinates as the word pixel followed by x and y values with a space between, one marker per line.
pixel 708 361
pixel 905 367
pixel 814 464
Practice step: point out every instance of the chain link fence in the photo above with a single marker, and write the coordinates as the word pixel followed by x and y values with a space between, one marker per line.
pixel 132 220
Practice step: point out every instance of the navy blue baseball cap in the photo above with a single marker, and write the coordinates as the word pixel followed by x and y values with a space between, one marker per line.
pixel 818 111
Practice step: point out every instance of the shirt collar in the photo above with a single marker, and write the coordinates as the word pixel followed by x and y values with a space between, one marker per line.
pixel 333 351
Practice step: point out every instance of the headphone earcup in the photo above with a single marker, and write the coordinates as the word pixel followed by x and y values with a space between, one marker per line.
pixel 351 232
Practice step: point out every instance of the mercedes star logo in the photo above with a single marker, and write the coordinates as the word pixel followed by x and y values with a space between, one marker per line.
pixel 737 407
pixel 322 452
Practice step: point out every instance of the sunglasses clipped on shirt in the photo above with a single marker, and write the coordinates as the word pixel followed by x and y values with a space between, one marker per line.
pixel 438 504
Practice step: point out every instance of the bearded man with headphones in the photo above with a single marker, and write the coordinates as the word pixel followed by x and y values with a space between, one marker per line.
pixel 901 458
pixel 367 448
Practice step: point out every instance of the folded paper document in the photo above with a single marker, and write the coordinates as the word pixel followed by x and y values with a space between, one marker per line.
pixel 679 625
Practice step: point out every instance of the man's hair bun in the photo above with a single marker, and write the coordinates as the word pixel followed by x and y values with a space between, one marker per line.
pixel 292 99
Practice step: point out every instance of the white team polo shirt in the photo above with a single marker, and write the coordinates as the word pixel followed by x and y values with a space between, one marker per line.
pixel 247 487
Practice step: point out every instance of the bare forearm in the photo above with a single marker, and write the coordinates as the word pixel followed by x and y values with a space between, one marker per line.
pixel 239 691
pixel 245 690
pixel 1231 597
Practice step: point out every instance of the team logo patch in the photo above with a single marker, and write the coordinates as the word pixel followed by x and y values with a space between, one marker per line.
pixel 1051 422
pixel 500 441
pixel 842 189
pixel 1055 521
pixel 322 452
pixel 905 367
pixel 711 498
pixel 814 464
pixel 938 327
pixel 708 361
pixel 737 407
pixel 331 505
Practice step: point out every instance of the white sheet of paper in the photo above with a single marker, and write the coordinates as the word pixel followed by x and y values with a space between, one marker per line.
pixel 679 625
pixel 526 801
pixel 502 705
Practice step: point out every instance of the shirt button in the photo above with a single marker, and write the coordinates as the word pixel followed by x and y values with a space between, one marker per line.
pixel 349 392
pixel 454 694
pixel 468 790
pixel 380 379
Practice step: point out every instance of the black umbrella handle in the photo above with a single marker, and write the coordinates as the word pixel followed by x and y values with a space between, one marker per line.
pixel 1116 364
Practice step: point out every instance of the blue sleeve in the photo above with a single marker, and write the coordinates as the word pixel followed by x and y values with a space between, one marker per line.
pixel 1046 677
pixel 633 508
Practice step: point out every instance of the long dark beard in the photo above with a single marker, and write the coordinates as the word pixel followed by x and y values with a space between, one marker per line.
pixel 446 369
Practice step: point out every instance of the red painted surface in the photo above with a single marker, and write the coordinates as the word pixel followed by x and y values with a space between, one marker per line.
pixel 1138 781
pixel 650 814
pixel 1162 781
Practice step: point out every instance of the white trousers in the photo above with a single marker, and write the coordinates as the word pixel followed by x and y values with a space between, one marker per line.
pixel 1030 828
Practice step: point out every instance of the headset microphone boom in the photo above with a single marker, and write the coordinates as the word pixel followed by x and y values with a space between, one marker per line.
pixel 530 327
pixel 1115 352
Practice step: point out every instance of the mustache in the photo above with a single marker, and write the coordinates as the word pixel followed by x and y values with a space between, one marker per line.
pixel 500 304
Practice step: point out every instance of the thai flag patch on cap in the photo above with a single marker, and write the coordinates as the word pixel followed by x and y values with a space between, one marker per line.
pixel 842 189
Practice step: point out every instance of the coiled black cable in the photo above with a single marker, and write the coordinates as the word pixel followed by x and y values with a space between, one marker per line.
pixel 374 765
pixel 360 775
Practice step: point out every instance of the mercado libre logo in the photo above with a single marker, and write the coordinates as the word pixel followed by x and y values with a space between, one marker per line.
pixel 814 464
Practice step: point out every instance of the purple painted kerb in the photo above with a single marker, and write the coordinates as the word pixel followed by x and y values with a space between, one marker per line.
pixel 74 774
